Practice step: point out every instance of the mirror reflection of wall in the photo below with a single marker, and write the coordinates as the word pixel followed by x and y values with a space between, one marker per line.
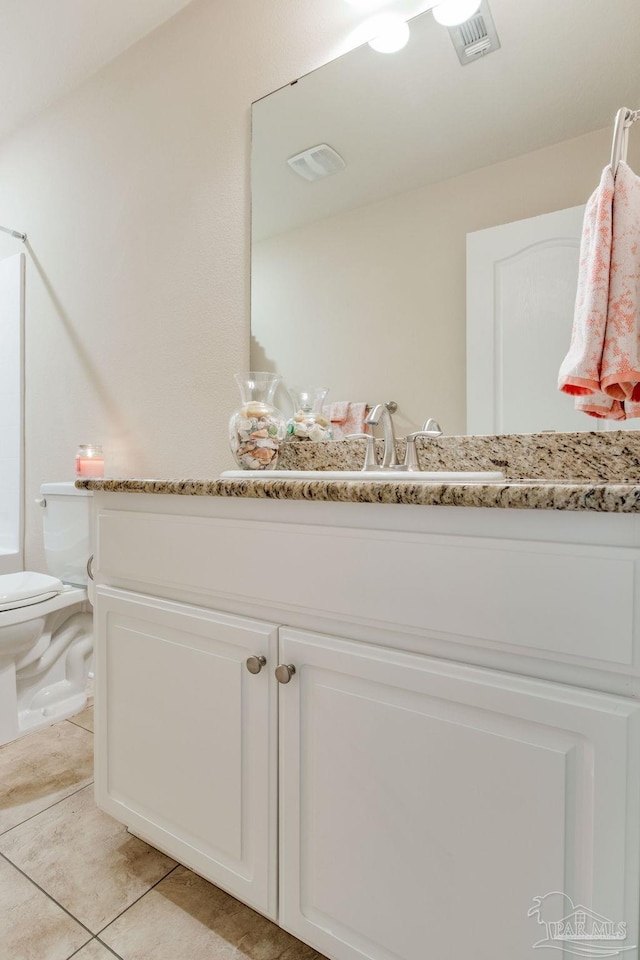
pixel 359 279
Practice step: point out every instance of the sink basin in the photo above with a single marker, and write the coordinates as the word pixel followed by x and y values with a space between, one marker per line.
pixel 391 476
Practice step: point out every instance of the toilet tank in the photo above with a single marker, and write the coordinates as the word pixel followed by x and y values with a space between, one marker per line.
pixel 66 513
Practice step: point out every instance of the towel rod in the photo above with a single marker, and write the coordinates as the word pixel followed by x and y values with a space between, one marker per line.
pixel 624 119
pixel 15 233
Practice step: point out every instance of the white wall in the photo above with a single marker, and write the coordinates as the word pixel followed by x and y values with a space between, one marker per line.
pixel 134 191
pixel 372 303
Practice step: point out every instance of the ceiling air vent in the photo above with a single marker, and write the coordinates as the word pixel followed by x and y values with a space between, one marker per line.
pixel 475 37
pixel 317 162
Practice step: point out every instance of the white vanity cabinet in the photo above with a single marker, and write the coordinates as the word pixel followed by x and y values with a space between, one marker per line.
pixel 459 736
pixel 424 804
pixel 186 737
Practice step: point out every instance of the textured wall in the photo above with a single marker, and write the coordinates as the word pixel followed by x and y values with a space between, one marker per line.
pixel 134 190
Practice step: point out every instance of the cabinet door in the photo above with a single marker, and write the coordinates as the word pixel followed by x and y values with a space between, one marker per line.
pixel 435 810
pixel 186 737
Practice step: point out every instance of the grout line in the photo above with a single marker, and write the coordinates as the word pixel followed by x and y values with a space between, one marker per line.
pixel 71 720
pixel 93 935
pixel 48 895
pixel 3 833
pixel 137 900
pixel 95 940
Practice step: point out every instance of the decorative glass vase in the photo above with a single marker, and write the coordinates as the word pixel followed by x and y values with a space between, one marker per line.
pixel 257 428
pixel 308 423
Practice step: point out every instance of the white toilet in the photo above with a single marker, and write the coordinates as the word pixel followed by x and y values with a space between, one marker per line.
pixel 46 621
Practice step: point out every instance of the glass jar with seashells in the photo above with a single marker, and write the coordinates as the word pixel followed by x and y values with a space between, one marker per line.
pixel 308 422
pixel 257 428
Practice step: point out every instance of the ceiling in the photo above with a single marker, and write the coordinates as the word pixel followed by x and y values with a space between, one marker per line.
pixel 49 46
pixel 416 117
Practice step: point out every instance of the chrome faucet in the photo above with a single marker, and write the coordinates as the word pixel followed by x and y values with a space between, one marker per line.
pixel 382 413
pixel 430 429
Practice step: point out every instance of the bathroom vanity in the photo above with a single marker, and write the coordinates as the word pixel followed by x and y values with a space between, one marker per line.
pixel 454 729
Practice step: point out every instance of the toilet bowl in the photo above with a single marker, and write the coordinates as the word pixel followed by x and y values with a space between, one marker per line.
pixel 46 621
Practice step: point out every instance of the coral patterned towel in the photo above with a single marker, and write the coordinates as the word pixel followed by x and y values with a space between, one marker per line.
pixel 580 370
pixel 602 367
pixel 346 417
pixel 620 370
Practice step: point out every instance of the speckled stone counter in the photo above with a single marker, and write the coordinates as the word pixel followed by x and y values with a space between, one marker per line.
pixel 560 471
pixel 612 457
pixel 606 498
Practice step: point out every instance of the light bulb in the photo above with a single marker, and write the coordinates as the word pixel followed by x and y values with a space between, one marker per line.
pixel 450 13
pixel 391 33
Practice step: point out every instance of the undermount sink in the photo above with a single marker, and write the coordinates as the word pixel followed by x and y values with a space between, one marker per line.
pixel 389 476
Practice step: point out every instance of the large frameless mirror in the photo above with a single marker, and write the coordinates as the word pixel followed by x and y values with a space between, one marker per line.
pixel 436 263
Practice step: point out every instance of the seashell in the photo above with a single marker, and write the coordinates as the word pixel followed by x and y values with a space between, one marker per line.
pixel 265 455
pixel 255 409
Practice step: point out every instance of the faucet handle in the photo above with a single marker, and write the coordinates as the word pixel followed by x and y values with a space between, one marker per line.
pixel 432 430
pixel 370 462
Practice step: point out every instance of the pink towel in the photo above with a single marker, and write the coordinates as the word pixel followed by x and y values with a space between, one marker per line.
pixel 580 370
pixel 602 367
pixel 620 370
pixel 337 412
pixel 346 417
pixel 606 408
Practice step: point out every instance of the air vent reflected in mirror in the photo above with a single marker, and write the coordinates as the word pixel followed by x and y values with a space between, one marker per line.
pixel 475 37
pixel 317 162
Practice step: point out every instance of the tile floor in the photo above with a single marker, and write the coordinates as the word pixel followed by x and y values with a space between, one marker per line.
pixel 74 883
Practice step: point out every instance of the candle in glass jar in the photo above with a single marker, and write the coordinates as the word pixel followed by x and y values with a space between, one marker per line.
pixel 89 461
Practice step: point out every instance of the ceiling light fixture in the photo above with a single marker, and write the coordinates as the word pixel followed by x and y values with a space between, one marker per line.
pixel 450 13
pixel 390 33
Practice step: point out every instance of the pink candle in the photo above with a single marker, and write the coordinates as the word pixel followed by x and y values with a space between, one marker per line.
pixel 89 467
pixel 89 460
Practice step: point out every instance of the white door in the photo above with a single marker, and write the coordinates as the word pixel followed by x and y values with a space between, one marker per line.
pixel 425 805
pixel 187 737
pixel 521 288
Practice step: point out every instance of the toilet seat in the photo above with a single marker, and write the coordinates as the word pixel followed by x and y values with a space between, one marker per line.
pixel 27 588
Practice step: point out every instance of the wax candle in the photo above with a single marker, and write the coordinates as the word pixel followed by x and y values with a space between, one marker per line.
pixel 89 461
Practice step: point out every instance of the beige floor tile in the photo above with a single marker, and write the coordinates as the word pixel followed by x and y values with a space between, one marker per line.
pixel 42 768
pixel 186 918
pixel 84 719
pixel 84 859
pixel 33 927
pixel 94 951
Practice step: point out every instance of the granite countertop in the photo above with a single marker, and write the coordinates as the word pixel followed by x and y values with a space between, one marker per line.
pixel 524 495
pixel 571 471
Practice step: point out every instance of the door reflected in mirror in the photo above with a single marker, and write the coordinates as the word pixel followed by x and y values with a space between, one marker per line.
pixel 360 277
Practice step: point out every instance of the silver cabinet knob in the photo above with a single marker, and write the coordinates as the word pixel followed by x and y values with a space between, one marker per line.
pixel 284 672
pixel 255 664
pixel 90 567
